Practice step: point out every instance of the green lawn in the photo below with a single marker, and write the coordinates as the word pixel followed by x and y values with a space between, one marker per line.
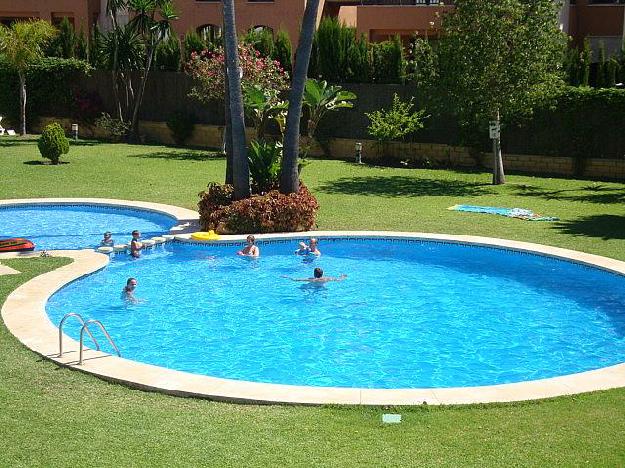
pixel 57 417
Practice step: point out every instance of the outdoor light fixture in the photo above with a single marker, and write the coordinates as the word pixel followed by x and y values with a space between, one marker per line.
pixel 359 153
pixel 75 131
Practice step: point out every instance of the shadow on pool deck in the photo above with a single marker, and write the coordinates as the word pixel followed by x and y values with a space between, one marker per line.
pixel 605 227
pixel 404 186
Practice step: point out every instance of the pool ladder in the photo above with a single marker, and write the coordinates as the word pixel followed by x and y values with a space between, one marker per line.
pixel 85 328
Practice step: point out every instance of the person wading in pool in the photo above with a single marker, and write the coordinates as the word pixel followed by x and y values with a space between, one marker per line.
pixel 135 244
pixel 318 277
pixel 128 293
pixel 251 249
pixel 107 240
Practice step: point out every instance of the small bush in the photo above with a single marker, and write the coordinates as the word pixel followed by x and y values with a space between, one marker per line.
pixel 118 129
pixel 271 212
pixel 395 123
pixel 181 126
pixel 264 162
pixel 53 142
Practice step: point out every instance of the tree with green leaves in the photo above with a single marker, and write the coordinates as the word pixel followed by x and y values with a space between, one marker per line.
pixel 65 43
pixel 289 176
pixel 151 21
pixel 283 51
pixel 22 44
pixel 321 98
pixel 498 57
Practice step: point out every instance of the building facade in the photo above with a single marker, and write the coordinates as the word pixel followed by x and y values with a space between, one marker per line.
pixel 598 20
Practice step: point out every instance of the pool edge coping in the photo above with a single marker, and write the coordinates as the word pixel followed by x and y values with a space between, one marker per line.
pixel 25 316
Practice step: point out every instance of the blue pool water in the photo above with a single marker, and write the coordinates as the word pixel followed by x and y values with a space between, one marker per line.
pixel 78 226
pixel 410 314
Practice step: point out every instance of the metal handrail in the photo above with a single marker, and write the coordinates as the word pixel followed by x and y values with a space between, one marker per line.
pixel 82 322
pixel 82 336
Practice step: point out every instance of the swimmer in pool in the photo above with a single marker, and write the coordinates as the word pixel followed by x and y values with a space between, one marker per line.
pixel 135 244
pixel 107 240
pixel 303 249
pixel 251 249
pixel 128 293
pixel 318 277
pixel 313 247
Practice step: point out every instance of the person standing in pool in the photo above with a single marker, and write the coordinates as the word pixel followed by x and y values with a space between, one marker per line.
pixel 135 244
pixel 251 249
pixel 107 240
pixel 318 277
pixel 128 293
pixel 313 247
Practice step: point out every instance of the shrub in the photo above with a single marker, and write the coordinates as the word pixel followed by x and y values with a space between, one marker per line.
pixel 271 212
pixel 192 43
pixel 53 142
pixel 167 56
pixel 264 162
pixel 118 129
pixel 283 51
pixel 395 123
pixel 181 125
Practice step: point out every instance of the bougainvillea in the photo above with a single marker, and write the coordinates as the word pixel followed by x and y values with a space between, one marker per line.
pixel 207 69
pixel 271 212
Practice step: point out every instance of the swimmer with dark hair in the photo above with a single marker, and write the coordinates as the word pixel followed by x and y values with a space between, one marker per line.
pixel 251 249
pixel 318 277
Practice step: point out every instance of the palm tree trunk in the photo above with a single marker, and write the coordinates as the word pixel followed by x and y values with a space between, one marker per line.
pixel 289 178
pixel 499 177
pixel 114 71
pixel 22 77
pixel 227 131
pixel 240 166
pixel 134 132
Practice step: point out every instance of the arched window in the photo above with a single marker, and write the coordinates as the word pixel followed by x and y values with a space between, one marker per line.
pixel 209 32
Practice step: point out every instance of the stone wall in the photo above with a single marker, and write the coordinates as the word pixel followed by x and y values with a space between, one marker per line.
pixel 438 155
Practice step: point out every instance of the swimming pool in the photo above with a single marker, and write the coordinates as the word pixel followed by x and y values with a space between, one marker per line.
pixel 79 225
pixel 411 314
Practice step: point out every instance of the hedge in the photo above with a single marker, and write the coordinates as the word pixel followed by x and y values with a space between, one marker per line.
pixel 51 86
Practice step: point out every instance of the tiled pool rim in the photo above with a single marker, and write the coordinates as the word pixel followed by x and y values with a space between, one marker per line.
pixel 25 316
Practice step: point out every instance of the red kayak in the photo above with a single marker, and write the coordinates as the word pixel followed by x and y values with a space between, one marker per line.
pixel 16 245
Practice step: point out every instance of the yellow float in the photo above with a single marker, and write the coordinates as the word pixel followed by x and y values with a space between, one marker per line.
pixel 205 236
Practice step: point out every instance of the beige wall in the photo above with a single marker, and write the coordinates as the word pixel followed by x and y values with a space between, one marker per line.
pixel 210 136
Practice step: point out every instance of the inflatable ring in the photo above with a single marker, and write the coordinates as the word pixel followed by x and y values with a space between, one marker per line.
pixel 205 236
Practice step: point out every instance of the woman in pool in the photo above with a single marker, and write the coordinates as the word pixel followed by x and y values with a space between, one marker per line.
pixel 251 249
pixel 313 247
pixel 128 293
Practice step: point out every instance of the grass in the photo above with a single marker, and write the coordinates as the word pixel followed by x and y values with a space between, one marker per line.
pixel 57 417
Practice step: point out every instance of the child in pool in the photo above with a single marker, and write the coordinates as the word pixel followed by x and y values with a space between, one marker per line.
pixel 107 240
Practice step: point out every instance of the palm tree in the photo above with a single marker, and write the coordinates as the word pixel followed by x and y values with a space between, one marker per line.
pixel 112 7
pixel 240 165
pixel 289 178
pixel 22 44
pixel 152 21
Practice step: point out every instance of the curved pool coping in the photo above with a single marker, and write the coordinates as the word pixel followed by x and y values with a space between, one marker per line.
pixel 25 316
pixel 187 219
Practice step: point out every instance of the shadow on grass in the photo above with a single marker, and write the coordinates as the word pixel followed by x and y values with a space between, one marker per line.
pixel 402 186
pixel 602 226
pixel 86 143
pixel 595 193
pixel 43 163
pixel 11 142
pixel 180 156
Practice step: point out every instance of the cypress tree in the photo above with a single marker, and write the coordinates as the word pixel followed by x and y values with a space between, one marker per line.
pixel 192 43
pixel 283 51
pixel 586 60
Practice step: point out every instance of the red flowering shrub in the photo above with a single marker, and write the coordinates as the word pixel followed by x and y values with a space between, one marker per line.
pixel 207 70
pixel 271 212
